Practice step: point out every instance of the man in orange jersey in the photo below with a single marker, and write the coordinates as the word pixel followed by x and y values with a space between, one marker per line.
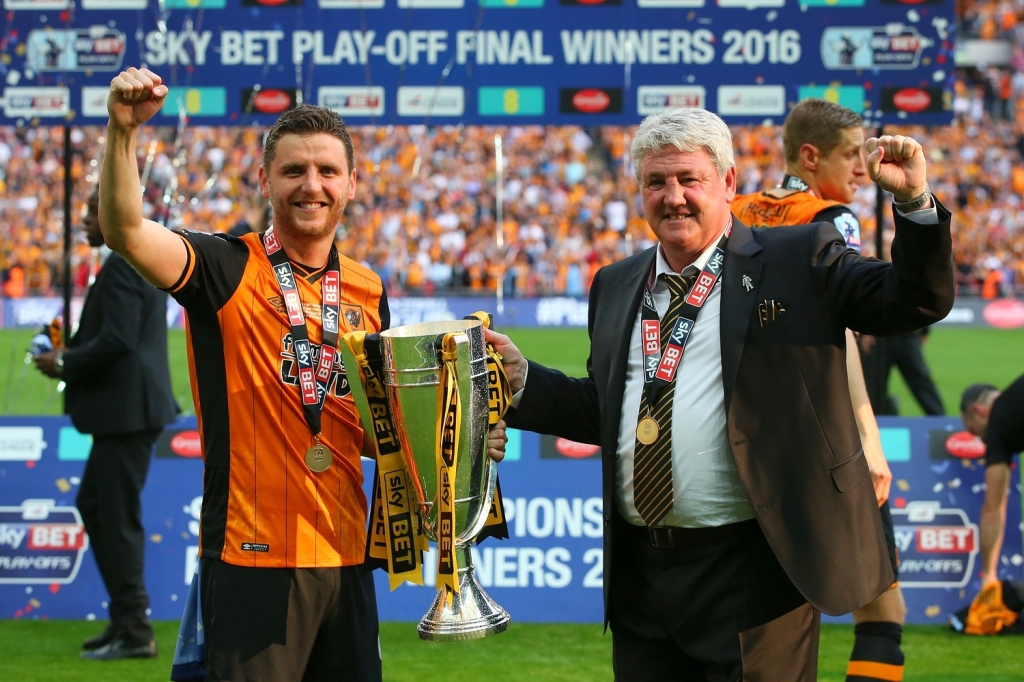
pixel 284 592
pixel 823 142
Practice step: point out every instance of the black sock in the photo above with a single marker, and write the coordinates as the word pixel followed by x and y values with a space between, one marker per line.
pixel 876 653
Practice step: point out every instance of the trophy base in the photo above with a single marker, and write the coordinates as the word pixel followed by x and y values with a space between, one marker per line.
pixel 472 615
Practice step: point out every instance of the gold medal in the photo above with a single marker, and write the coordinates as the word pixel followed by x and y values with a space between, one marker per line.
pixel 647 430
pixel 318 458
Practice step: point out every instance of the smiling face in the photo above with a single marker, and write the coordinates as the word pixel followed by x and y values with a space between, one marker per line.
pixel 686 202
pixel 843 170
pixel 308 184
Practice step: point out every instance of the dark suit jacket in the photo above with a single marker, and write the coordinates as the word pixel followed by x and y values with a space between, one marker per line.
pixel 115 367
pixel 789 419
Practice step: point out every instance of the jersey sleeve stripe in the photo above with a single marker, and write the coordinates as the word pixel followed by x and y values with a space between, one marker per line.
pixel 190 264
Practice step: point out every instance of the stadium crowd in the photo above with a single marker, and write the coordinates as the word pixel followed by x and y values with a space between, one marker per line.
pixel 429 221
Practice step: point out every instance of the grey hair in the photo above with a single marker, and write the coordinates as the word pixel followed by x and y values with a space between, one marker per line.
pixel 688 130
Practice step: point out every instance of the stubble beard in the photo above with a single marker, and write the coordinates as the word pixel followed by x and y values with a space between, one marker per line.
pixel 282 220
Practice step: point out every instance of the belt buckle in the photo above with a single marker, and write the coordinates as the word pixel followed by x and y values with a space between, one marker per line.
pixel 660 537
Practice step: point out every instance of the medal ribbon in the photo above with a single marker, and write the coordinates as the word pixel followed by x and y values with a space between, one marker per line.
pixel 660 365
pixel 313 381
pixel 449 426
pixel 396 533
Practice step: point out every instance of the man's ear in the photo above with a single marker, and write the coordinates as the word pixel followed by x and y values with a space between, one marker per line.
pixel 809 156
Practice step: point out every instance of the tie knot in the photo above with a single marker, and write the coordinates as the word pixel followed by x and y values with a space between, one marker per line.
pixel 681 283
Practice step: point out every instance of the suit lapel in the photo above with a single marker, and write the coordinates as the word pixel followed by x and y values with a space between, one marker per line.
pixel 739 292
pixel 624 297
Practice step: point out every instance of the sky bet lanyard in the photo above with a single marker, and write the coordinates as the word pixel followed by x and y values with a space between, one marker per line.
pixel 313 381
pixel 660 366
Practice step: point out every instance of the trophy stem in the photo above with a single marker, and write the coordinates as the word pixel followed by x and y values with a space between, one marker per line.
pixel 472 614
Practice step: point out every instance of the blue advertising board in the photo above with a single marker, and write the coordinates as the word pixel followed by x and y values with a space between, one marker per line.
pixel 549 570
pixel 581 62
pixel 547 311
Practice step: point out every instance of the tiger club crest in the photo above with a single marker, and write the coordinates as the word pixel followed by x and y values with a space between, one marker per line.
pixel 354 316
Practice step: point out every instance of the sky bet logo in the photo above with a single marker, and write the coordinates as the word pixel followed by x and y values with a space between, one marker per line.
pixel 938 547
pixel 40 543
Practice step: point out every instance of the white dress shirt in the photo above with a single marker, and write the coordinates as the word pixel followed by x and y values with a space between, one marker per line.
pixel 704 477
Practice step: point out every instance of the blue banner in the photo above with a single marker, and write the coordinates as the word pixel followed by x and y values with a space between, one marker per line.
pixel 582 62
pixel 549 570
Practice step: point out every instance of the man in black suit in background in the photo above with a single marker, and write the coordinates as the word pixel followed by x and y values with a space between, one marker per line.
pixel 119 390
pixel 737 501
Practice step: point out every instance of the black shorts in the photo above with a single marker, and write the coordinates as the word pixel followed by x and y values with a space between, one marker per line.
pixel 890 540
pixel 273 624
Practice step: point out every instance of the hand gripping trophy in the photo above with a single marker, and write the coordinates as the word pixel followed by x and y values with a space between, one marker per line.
pixel 427 394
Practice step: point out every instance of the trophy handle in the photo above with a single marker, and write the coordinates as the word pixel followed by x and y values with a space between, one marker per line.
pixel 491 476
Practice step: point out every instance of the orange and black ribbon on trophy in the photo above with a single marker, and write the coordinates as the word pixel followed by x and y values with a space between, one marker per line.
pixel 395 539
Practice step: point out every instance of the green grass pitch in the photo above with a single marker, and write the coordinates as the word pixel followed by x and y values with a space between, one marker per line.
pixel 44 651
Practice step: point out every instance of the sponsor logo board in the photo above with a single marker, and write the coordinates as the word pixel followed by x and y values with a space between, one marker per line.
pixel 271 3
pixel 954 444
pixel 895 443
pixel 510 4
pixel 831 3
pixel 37 5
pixel 409 310
pixel 1007 313
pixel 912 100
pixel 552 447
pixel 40 542
pixel 431 4
pixel 654 99
pixel 590 100
pixel 42 101
pixel 751 100
pixel 351 4
pixel 510 101
pixel 937 547
pixel 352 101
pixel 118 4
pixel 751 4
pixel 203 101
pixel 849 96
pixel 94 101
pixel 85 49
pixel 268 100
pixel 179 444
pixel 21 443
pixel 872 47
pixel 430 101
pixel 195 4
pixel 670 3
pixel 72 445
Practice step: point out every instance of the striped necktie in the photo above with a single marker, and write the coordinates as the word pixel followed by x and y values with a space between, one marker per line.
pixel 652 464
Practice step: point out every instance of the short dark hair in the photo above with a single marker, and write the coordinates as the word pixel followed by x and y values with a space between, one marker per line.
pixel 308 120
pixel 974 393
pixel 818 122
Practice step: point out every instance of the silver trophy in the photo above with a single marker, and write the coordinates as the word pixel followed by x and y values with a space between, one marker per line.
pixel 412 370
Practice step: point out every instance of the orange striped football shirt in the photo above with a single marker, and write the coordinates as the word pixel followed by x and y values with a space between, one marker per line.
pixel 261 505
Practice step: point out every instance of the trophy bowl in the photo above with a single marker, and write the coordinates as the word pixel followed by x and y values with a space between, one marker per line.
pixel 412 371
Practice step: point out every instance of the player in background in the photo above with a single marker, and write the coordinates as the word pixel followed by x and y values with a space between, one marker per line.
pixel 823 142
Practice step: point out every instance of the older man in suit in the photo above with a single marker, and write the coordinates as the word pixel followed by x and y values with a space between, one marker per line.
pixel 118 390
pixel 738 503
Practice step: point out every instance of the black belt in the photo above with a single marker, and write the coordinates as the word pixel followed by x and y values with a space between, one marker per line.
pixel 669 537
